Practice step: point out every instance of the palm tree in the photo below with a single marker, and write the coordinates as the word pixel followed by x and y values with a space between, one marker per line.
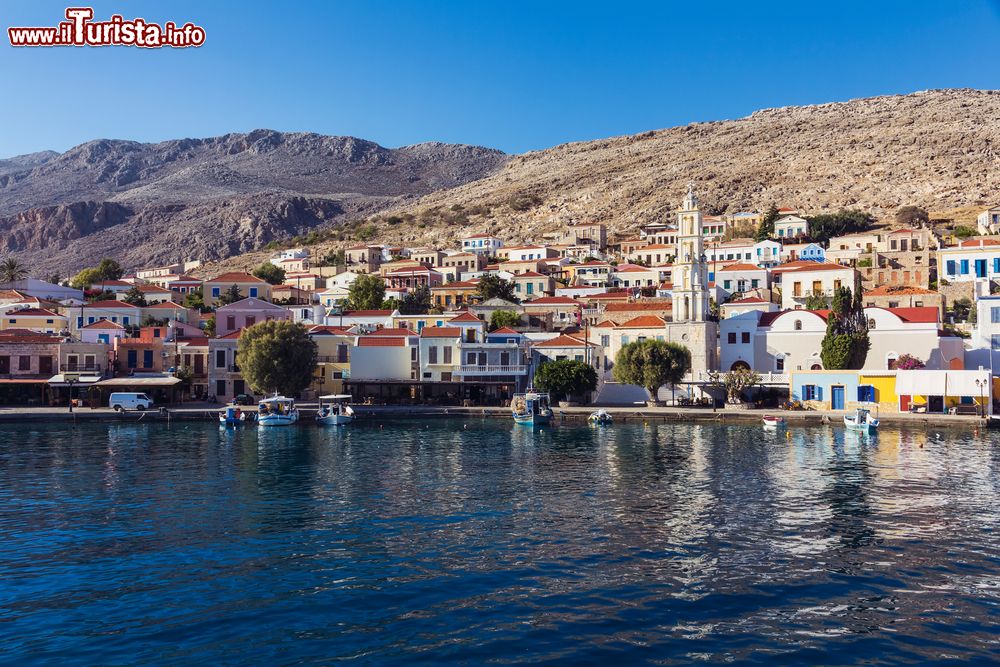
pixel 11 270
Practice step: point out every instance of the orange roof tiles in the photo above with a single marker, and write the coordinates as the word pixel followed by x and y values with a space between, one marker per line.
pixel 441 332
pixel 235 277
pixel 643 322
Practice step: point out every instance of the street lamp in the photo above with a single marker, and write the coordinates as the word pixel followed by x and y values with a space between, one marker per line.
pixel 71 379
pixel 981 384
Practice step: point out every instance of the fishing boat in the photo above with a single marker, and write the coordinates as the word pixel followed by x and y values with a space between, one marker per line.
pixel 861 420
pixel 773 421
pixel 336 412
pixel 601 417
pixel 277 411
pixel 531 407
pixel 232 416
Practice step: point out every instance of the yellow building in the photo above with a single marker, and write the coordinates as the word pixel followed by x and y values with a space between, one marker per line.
pixel 41 320
pixel 455 294
pixel 333 361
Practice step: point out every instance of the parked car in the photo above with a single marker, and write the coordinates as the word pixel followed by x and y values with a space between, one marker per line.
pixel 123 401
pixel 244 399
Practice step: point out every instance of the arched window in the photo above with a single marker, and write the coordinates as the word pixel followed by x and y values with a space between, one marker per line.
pixel 798 325
pixel 871 323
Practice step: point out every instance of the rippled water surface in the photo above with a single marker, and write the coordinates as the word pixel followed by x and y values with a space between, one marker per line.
pixel 476 541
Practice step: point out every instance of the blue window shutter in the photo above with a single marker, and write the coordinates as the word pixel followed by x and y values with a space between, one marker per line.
pixel 996 265
pixel 964 264
pixel 950 267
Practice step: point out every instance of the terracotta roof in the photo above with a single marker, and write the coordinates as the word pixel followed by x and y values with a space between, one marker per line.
pixel 741 267
pixel 369 341
pixel 632 269
pixel 808 265
pixel 638 306
pixel 232 334
pixel 236 277
pixel 441 332
pixel 504 330
pixel 643 322
pixel 923 314
pixel 367 313
pixel 529 274
pixel 978 243
pixel 552 301
pixel 151 288
pixel 109 303
pixel 32 312
pixel 605 324
pixel 392 331
pixel 185 279
pixel 194 341
pixel 166 304
pixel 563 341
pixel 898 290
pixel 103 324
pixel 328 329
pixel 747 300
pixel 466 317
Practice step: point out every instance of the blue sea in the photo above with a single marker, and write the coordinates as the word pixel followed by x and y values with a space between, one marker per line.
pixel 475 541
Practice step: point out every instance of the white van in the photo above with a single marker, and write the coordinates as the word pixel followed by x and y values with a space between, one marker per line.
pixel 130 401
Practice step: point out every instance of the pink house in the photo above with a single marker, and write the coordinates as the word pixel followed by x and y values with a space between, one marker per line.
pixel 246 313
pixel 410 278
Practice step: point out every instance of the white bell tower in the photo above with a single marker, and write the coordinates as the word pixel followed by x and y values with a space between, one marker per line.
pixel 690 293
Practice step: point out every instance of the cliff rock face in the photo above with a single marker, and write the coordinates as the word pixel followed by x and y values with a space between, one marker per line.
pixel 208 198
pixel 935 149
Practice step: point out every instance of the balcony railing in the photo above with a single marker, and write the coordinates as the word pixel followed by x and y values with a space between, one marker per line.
pixel 80 368
pixel 492 369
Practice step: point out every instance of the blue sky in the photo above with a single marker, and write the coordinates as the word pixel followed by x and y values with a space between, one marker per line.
pixel 514 75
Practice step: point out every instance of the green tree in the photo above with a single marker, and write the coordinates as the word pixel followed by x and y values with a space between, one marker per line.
pixel 736 382
pixel 109 269
pixel 209 327
pixel 565 377
pixel 416 301
pixel 11 270
pixel 846 343
pixel 336 258
pixel 493 286
pixel 277 356
pixel 271 273
pixel 825 226
pixel 964 232
pixel 367 292
pixel 365 233
pixel 195 299
pixel 504 318
pixel 134 296
pixel 652 364
pixel 961 309
pixel 231 295
pixel 85 278
pixel 766 228
pixel 817 302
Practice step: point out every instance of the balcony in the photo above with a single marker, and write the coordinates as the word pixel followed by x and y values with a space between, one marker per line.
pixel 492 369
pixel 80 368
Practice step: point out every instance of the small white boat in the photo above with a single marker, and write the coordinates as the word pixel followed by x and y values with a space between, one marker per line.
pixel 232 416
pixel 773 421
pixel 861 420
pixel 335 413
pixel 531 407
pixel 601 417
pixel 277 411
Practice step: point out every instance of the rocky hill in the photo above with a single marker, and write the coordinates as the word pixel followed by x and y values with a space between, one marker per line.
pixel 209 198
pixel 936 149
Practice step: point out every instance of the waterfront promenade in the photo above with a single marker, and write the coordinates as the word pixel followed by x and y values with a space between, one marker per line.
pixel 637 413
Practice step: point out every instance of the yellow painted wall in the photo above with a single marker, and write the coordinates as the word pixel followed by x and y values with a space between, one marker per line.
pixel 885 390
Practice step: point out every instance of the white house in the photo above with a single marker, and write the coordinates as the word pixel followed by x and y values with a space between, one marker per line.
pixel 482 244
pixel 801 279
pixel 790 226
pixel 970 260
pixel 988 222
pixel 741 277
pixel 792 339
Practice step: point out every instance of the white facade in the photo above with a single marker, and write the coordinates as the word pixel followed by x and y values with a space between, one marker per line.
pixel 971 260
pixel 790 226
pixel 988 222
pixel 800 282
pixel 482 244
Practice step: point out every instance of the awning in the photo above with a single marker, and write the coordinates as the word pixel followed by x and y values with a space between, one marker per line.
pixel 942 383
pixel 60 380
pixel 23 380
pixel 139 382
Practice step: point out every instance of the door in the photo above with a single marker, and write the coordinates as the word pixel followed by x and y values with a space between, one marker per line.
pixel 132 360
pixel 147 358
pixel 239 387
pixel 837 397
pixel 199 364
pixel 904 403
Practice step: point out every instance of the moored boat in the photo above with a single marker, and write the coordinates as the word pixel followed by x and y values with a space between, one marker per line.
pixel 336 412
pixel 277 411
pixel 232 416
pixel 601 417
pixel 773 421
pixel 531 407
pixel 861 420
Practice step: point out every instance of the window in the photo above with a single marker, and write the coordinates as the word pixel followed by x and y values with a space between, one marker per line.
pixel 217 291
pixel 866 393
pixel 871 323
pixel 810 392
pixel 432 354
pixel 220 361
pixel 995 314
pixel 745 337
pixel 731 338
pixel 253 292
pixel 230 322
pixel 995 341
pixel 779 364
pixel 798 325
pixel 447 355
pixel 950 267
pixel 24 363
pixel 964 267
pixel 624 340
pixel 996 265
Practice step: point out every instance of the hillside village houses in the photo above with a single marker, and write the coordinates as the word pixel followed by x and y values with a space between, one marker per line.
pixel 579 293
